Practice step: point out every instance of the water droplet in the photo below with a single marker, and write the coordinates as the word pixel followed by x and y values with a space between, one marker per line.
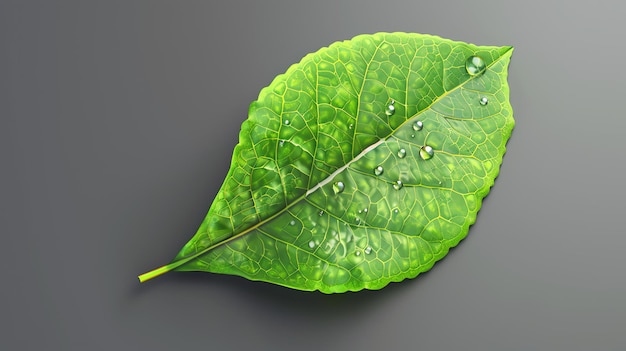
pixel 475 65
pixel 379 170
pixel 398 185
pixel 281 143
pixel 368 250
pixel 358 253
pixel 338 187
pixel 311 244
pixel 350 126
pixel 286 122
pixel 321 213
pixel 360 211
pixel 390 109
pixel 401 153
pixel 292 223
pixel 484 101
pixel 396 210
pixel 365 210
pixel 358 220
pixel 418 125
pixel 412 135
pixel 426 152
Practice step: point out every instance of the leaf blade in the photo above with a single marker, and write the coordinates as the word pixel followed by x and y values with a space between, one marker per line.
pixel 346 254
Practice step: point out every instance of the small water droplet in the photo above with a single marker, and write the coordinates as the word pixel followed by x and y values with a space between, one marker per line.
pixel 396 210
pixel 426 152
pixel 338 187
pixel 358 253
pixel 390 110
pixel 401 153
pixel 360 211
pixel 365 210
pixel 418 125
pixel 484 101
pixel 358 220
pixel 398 185
pixel 292 223
pixel 321 213
pixel 475 65
pixel 412 135
pixel 286 122
pixel 379 170
pixel 350 126
pixel 311 244
pixel 368 250
pixel 281 143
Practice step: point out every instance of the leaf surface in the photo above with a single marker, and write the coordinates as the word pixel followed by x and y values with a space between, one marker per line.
pixel 361 165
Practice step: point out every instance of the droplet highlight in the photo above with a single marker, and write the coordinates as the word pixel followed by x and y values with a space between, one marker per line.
pixel 292 223
pixel 321 213
pixel 426 152
pixel 358 253
pixel 475 65
pixel 398 185
pixel 401 153
pixel 286 122
pixel 368 250
pixel 311 244
pixel 281 143
pixel 484 101
pixel 338 187
pixel 379 170
pixel 418 125
pixel 390 108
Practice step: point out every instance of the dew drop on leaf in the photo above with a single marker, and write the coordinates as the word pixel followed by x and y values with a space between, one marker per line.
pixel 321 213
pixel 338 187
pixel 379 170
pixel 390 109
pixel 398 185
pixel 358 253
pixel 418 125
pixel 292 223
pixel 286 122
pixel 426 152
pixel 368 250
pixel 311 244
pixel 475 65
pixel 484 101
pixel 401 153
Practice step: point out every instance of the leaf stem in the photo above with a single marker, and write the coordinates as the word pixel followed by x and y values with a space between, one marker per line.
pixel 161 270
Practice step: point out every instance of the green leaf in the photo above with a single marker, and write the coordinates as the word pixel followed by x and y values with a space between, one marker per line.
pixel 361 165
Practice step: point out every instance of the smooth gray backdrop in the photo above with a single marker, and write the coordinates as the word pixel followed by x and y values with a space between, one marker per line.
pixel 117 123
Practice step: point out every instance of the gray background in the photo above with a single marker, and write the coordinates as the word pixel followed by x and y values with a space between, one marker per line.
pixel 118 120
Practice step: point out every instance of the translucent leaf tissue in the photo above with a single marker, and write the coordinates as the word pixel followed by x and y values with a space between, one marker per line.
pixel 361 165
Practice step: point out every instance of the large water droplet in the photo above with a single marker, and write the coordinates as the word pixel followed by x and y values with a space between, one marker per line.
pixel 286 122
pixel 390 108
pixel 398 185
pixel 426 152
pixel 401 153
pixel 484 101
pixel 338 187
pixel 379 170
pixel 311 244
pixel 418 125
pixel 368 250
pixel 475 65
